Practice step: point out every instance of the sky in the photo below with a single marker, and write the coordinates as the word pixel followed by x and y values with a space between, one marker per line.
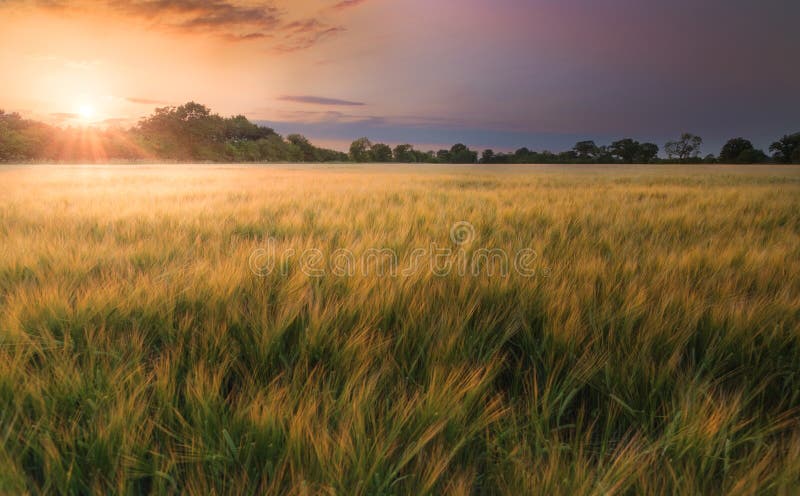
pixel 496 74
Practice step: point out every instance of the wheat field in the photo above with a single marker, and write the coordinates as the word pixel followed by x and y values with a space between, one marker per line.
pixel 162 330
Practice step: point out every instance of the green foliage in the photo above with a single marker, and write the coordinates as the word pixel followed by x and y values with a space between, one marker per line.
pixel 741 151
pixel 733 149
pixel 586 151
pixel 787 149
pixel 360 150
pixel 363 150
pixel 190 132
pixel 686 149
pixel 647 153
pixel 404 154
pixel 306 150
pixel 626 150
pixel 460 154
pixel 380 153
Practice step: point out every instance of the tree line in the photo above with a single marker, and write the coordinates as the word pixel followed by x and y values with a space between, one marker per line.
pixel 191 132
pixel 685 149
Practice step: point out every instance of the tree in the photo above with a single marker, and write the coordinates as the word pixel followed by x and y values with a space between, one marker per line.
pixel 360 150
pixel 625 150
pixel 404 154
pixel 381 153
pixel 647 153
pixel 187 132
pixel 787 149
pixel 522 156
pixel 753 156
pixel 586 151
pixel 307 151
pixel 192 111
pixel 487 157
pixel 426 157
pixel 238 128
pixel 687 147
pixel 733 149
pixel 13 144
pixel 460 154
pixel 604 155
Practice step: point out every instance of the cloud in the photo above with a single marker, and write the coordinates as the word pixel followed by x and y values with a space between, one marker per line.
pixel 319 100
pixel 328 116
pixel 340 117
pixel 145 101
pixel 44 4
pixel 222 16
pixel 346 4
pixel 230 20
pixel 234 21
pixel 299 35
pixel 247 37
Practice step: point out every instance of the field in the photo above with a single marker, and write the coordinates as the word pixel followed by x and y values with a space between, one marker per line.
pixel 244 330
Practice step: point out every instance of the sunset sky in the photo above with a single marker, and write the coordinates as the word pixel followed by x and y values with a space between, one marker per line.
pixel 490 73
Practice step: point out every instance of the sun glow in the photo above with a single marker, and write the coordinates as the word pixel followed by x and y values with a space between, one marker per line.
pixel 86 112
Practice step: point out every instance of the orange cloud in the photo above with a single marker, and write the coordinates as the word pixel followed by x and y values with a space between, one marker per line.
pixel 231 20
pixel 346 4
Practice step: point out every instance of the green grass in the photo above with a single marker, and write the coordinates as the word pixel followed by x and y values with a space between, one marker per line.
pixel 656 350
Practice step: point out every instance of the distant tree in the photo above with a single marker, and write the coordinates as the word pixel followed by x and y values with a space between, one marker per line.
pixel 426 157
pixel 326 155
pixel 404 154
pixel 443 156
pixel 753 156
pixel 586 151
pixel 733 149
pixel 490 157
pixel 360 150
pixel 307 151
pixel 787 149
pixel 13 143
pixel 238 128
pixel 460 154
pixel 710 159
pixel 604 155
pixel 648 152
pixel 567 157
pixel 192 111
pixel 381 153
pixel 686 148
pixel 187 132
pixel 625 150
pixel 522 156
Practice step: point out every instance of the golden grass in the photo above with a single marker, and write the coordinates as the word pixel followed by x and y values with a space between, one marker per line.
pixel 656 349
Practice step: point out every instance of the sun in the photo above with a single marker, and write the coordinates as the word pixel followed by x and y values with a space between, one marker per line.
pixel 85 112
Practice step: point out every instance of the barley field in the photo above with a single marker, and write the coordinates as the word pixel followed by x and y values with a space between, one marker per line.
pixel 202 330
